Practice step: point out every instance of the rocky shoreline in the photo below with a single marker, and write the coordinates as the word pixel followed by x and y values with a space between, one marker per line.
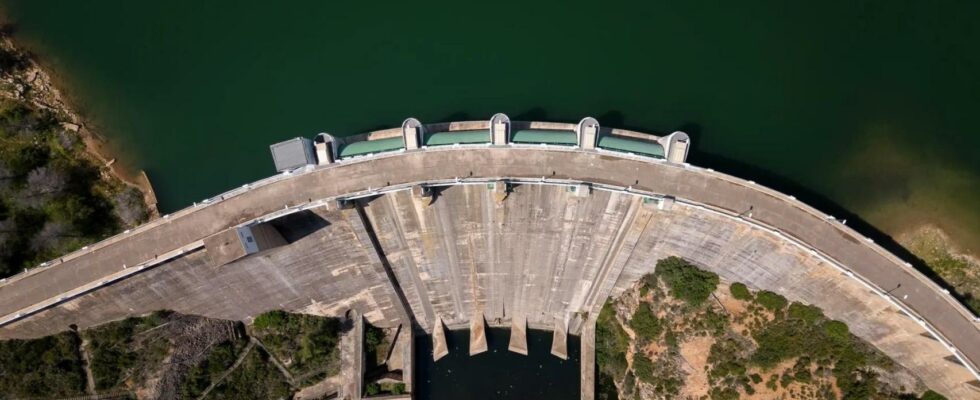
pixel 23 79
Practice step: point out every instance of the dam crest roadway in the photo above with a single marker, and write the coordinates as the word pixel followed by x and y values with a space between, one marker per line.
pixel 528 225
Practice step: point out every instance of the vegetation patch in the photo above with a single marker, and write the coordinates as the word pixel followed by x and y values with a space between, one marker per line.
pixel 169 355
pixel 646 325
pixel 740 291
pixel 255 378
pixel 119 351
pixel 761 345
pixel 384 388
pixel 959 270
pixel 53 198
pixel 219 359
pixel 611 344
pixel 376 345
pixel 303 343
pixel 48 367
pixel 770 300
pixel 686 281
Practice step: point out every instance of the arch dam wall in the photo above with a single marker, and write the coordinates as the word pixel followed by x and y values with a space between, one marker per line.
pixel 544 252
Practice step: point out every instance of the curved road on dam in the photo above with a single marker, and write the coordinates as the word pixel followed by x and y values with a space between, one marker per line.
pixel 86 270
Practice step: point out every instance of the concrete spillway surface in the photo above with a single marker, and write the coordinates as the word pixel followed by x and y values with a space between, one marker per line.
pixel 497 373
pixel 564 230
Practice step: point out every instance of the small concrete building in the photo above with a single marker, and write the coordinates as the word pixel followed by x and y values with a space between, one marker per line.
pixel 235 243
pixel 293 153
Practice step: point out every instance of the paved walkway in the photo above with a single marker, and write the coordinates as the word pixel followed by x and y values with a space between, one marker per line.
pixel 448 164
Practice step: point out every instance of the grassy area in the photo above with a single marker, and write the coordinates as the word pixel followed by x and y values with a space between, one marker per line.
pixel 255 378
pixel 304 343
pixel 219 359
pixel 119 352
pixel 49 367
pixel 53 198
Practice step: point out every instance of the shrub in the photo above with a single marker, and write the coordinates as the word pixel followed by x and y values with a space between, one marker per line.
pixel 219 359
pixel 116 350
pixel 724 394
pixel 930 395
pixel 687 282
pixel 643 368
pixel 857 385
pixel 48 367
pixel 809 314
pixel 270 320
pixel 740 291
pixel 611 343
pixel 398 388
pixel 373 389
pixel 837 330
pixel 309 341
pixel 772 382
pixel 771 301
pixel 375 345
pixel 55 199
pixel 255 378
pixel 645 323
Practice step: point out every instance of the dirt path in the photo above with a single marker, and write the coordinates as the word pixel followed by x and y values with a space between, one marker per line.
pixel 238 362
pixel 276 362
pixel 87 367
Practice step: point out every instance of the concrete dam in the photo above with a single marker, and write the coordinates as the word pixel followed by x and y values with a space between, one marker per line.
pixel 501 223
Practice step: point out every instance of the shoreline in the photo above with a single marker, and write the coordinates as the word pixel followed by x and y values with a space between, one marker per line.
pixel 35 85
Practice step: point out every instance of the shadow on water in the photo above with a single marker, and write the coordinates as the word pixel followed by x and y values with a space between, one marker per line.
pixel 497 373
pixel 812 198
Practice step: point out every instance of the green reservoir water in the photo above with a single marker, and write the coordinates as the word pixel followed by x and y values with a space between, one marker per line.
pixel 866 105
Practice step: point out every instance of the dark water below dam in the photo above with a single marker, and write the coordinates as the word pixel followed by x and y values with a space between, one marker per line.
pixel 498 373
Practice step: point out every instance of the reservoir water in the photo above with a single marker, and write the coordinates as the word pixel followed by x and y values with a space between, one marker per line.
pixel 498 373
pixel 866 105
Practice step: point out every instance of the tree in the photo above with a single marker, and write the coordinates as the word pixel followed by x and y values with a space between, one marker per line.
pixel 771 301
pixel 807 313
pixel 740 291
pixel 645 323
pixel 44 181
pixel 687 282
pixel 611 343
pixel 643 367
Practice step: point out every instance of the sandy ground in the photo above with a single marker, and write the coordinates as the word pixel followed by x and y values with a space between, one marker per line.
pixel 695 353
